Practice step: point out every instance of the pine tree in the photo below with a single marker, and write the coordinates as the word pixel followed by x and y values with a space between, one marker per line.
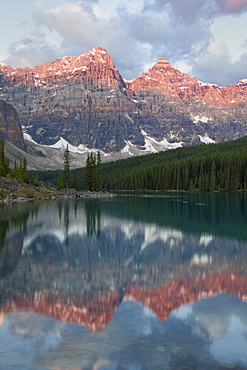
pixel 75 182
pixel 212 181
pixel 93 178
pixel 87 174
pixel 66 167
pixel 60 182
pixel 98 184
pixel 4 161
pixel 25 177
pixel 92 182
pixel 35 180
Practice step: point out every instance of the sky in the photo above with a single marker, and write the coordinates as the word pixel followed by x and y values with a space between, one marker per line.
pixel 204 38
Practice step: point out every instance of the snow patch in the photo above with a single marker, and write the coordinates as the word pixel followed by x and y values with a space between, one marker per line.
pixel 28 137
pixel 130 81
pixel 206 140
pixel 204 119
pixel 61 144
pixel 243 81
pixel 95 51
pixel 84 68
pixel 207 84
pixel 127 148
pixel 151 145
pixel 146 77
pixel 155 146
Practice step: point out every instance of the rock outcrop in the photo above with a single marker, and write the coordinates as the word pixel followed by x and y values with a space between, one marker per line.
pixel 10 128
pixel 85 100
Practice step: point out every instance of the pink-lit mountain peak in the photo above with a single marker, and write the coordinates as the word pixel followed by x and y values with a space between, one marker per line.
pixel 64 65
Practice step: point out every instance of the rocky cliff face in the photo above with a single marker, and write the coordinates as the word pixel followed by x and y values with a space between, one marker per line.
pixel 10 127
pixel 85 100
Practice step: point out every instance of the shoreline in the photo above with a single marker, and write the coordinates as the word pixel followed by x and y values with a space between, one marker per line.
pixel 99 194
pixel 11 190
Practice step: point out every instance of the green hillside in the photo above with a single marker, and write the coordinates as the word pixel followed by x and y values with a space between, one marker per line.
pixel 210 167
pixel 213 167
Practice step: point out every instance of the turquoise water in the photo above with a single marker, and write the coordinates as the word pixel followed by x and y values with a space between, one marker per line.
pixel 131 282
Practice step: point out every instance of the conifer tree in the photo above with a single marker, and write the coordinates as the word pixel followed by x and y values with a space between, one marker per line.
pixel 87 174
pixel 93 172
pixel 4 162
pixel 35 180
pixel 60 182
pixel 212 183
pixel 25 177
pixel 66 167
pixel 75 182
pixel 93 179
pixel 98 173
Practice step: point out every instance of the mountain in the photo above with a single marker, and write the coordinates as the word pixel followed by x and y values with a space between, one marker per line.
pixel 85 101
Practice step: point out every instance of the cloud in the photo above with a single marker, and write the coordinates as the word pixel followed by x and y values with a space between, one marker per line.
pixel 185 11
pixel 75 25
pixel 215 65
pixel 192 10
pixel 178 30
pixel 30 52
pixel 133 38
pixel 231 6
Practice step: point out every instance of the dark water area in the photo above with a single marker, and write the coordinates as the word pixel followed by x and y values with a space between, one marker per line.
pixel 131 282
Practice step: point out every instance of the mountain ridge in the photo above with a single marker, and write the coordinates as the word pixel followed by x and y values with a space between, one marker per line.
pixel 85 100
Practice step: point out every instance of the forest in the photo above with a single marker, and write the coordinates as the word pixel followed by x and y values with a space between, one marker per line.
pixel 211 167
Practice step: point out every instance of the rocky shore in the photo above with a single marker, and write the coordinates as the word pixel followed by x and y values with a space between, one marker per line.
pixel 11 190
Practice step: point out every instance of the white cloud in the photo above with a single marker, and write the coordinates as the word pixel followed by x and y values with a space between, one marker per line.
pixel 31 52
pixel 205 38
pixel 134 39
pixel 227 29
pixel 215 64
pixel 191 10
pixel 231 6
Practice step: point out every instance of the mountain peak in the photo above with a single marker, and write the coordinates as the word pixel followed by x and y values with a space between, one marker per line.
pixel 99 55
pixel 97 50
pixel 163 61
pixel 88 66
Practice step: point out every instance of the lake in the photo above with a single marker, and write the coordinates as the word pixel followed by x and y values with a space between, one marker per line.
pixel 130 282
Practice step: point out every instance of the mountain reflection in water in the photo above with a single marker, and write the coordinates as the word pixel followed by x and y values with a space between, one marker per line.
pixel 132 282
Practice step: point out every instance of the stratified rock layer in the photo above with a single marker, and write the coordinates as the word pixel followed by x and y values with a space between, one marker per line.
pixel 85 100
pixel 10 127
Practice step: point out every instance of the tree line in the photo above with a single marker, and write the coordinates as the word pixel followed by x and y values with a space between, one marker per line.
pixel 88 178
pixel 18 169
pixel 212 167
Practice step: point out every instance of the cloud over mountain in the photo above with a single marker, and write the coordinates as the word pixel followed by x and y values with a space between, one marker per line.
pixel 137 33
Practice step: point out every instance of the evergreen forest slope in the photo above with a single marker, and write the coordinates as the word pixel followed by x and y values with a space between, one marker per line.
pixel 212 167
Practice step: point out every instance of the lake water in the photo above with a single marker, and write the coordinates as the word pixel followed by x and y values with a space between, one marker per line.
pixel 130 282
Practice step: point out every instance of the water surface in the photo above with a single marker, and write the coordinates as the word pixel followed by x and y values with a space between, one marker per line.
pixel 132 282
